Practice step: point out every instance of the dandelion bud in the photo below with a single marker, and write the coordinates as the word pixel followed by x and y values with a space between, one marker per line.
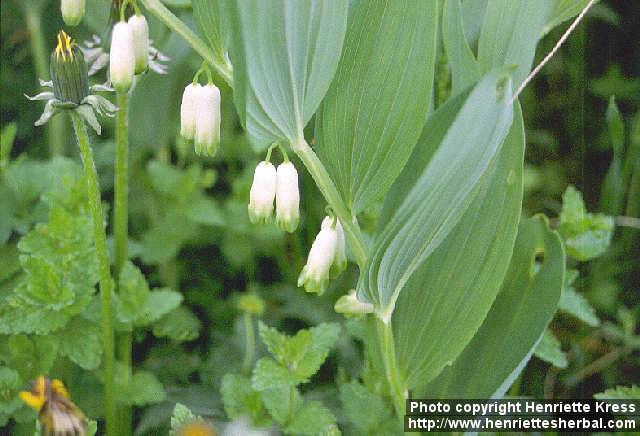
pixel 263 192
pixel 121 57
pixel 188 111
pixel 287 197
pixel 140 31
pixel 315 274
pixel 349 305
pixel 340 259
pixel 72 11
pixel 207 132
pixel 68 72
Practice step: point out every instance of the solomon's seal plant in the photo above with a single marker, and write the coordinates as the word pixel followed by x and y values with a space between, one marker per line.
pixel 71 90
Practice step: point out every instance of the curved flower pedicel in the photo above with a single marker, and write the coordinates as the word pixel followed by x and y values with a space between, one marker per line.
pixel 70 84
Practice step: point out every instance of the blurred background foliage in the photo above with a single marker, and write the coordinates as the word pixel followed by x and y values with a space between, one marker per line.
pixel 190 232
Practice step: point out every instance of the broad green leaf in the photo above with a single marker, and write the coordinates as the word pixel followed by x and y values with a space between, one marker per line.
pixel 143 388
pixel 133 293
pixel 81 341
pixel 440 195
pixel 549 349
pixel 284 55
pixel 473 12
pixel 577 305
pixel 240 399
pixel 364 409
pixel 269 374
pixel 526 303
pixel 561 11
pixel 376 106
pixel 207 15
pixel 585 235
pixel 464 67
pixel 159 303
pixel 277 402
pixel 312 419
pixel 180 325
pixel 510 33
pixel 620 393
pixel 447 299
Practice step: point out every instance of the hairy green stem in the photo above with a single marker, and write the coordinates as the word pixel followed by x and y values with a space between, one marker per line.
pixel 394 378
pixel 106 282
pixel 215 60
pixel 331 194
pixel 120 231
pixel 250 343
pixel 33 17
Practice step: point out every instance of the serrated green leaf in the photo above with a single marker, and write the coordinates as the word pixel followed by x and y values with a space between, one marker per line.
pixel 133 293
pixel 368 124
pixel 180 416
pixel 275 341
pixel 31 356
pixel 323 337
pixel 159 303
pixel 504 343
pixel 179 325
pixel 241 400
pixel 10 385
pixel 585 235
pixel 465 70
pixel 364 409
pixel 549 349
pixel 143 388
pixel 81 341
pixel 269 374
pixel 312 419
pixel 440 195
pixel 278 402
pixel 509 35
pixel 577 305
pixel 620 393
pixel 284 56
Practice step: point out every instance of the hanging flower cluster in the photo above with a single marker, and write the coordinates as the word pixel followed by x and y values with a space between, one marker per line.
pixel 200 116
pixel 70 84
pixel 327 257
pixel 279 185
pixel 129 54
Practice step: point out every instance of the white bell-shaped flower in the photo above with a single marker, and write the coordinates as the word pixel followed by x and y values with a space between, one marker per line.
pixel 72 11
pixel 349 305
pixel 287 197
pixel 121 57
pixel 207 132
pixel 188 111
pixel 340 259
pixel 263 192
pixel 315 274
pixel 140 31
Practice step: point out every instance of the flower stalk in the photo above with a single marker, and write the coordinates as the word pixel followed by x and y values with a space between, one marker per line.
pixel 106 282
pixel 392 372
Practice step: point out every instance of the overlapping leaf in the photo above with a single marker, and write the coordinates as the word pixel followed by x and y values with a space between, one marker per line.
pixel 284 55
pixel 440 193
pixel 374 111
pixel 464 67
pixel 525 305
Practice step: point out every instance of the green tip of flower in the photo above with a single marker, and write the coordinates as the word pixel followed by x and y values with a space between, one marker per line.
pixel 311 284
pixel 288 225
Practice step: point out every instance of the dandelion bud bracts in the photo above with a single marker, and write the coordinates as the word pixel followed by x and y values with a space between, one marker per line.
pixel 207 116
pixel 287 197
pixel 140 33
pixel 121 57
pixel 72 11
pixel 68 71
pixel 263 193
pixel 315 274
pixel 340 259
pixel 349 305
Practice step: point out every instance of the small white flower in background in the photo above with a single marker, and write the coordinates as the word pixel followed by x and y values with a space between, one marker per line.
pixel 188 111
pixel 263 192
pixel 72 11
pixel 349 305
pixel 121 57
pixel 140 31
pixel 340 259
pixel 287 197
pixel 207 132
pixel 315 274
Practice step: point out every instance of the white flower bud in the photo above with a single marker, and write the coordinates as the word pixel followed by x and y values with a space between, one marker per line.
pixel 72 11
pixel 340 260
pixel 315 274
pixel 207 134
pixel 349 305
pixel 263 192
pixel 188 111
pixel 287 197
pixel 140 31
pixel 121 57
